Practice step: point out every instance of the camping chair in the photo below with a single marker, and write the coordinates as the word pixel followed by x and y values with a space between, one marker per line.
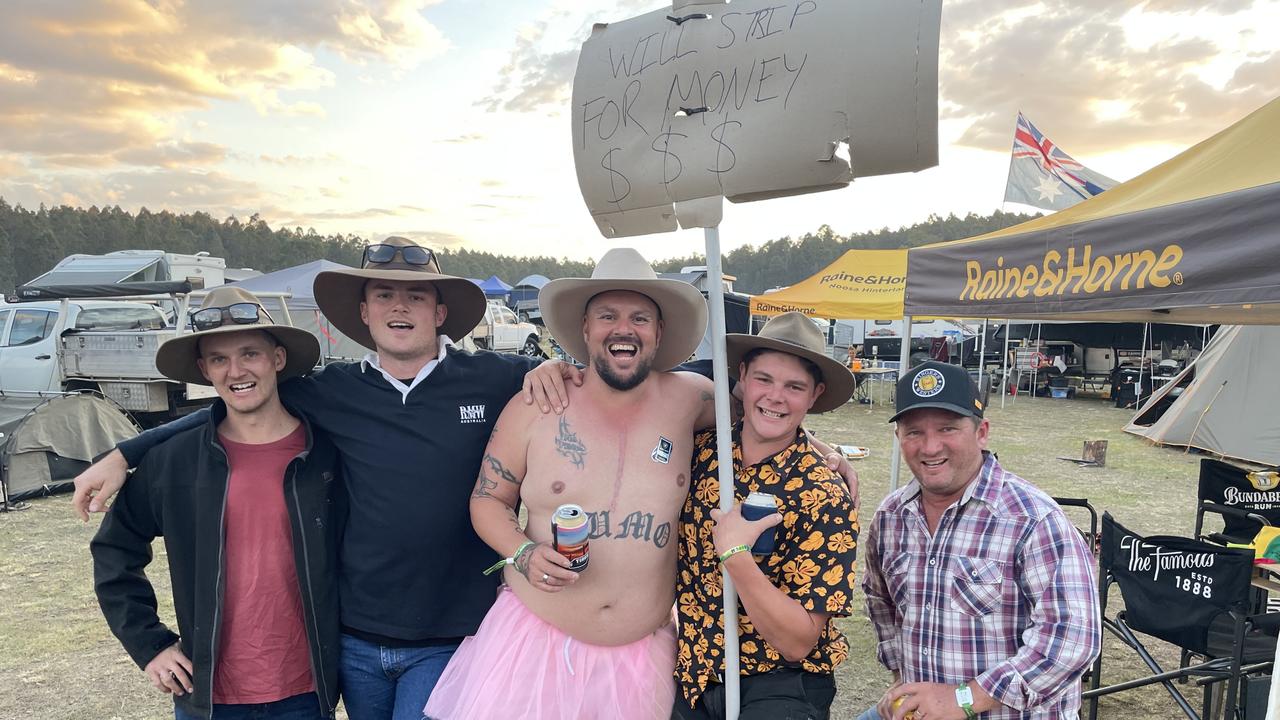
pixel 1210 587
pixel 1091 535
pixel 1244 507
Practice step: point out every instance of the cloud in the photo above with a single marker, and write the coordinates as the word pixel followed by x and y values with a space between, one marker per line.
pixel 364 214
pixel 175 155
pixel 432 238
pixel 1096 70
pixel 110 78
pixel 298 160
pixel 177 190
pixel 539 70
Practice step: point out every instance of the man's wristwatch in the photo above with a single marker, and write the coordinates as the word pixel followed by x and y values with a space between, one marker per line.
pixel 964 698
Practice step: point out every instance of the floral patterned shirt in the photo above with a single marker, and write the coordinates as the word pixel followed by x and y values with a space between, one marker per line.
pixel 813 560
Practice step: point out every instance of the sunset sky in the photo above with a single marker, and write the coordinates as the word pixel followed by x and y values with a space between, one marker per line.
pixel 448 120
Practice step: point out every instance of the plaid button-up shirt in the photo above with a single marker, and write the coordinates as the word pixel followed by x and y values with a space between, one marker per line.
pixel 1003 592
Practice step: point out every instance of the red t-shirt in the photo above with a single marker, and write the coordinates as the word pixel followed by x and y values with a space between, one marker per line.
pixel 263 654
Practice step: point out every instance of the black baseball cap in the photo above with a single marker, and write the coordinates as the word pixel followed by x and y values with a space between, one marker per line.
pixel 938 385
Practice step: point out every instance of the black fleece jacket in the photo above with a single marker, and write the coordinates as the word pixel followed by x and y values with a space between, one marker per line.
pixel 179 493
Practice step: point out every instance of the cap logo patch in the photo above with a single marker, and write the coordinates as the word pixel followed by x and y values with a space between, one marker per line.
pixel 927 383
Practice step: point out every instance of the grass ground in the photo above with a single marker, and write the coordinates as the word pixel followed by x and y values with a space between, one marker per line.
pixel 59 662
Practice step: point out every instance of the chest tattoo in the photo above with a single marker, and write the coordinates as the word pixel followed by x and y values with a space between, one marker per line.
pixel 568 445
pixel 632 526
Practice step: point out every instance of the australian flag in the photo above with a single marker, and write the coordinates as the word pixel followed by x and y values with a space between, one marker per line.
pixel 1042 175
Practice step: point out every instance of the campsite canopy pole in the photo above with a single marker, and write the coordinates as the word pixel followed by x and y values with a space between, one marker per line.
pixel 982 352
pixel 904 364
pixel 724 450
pixel 1142 359
pixel 1035 364
pixel 1004 366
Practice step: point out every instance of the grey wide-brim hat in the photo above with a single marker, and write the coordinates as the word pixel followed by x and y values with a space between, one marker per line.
pixel 563 303
pixel 339 293
pixel 176 358
pixel 795 334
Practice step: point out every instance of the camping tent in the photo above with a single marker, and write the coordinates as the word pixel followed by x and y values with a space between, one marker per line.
pixel 1229 407
pixel 1193 240
pixel 861 284
pixel 47 440
pixel 527 289
pixel 494 287
pixel 304 312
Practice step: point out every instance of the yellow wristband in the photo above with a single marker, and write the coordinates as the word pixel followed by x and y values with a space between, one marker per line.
pixel 733 551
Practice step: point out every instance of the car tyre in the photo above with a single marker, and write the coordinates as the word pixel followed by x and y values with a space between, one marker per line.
pixel 531 348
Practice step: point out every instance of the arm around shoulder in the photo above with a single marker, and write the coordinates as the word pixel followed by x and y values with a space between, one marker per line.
pixel 102 480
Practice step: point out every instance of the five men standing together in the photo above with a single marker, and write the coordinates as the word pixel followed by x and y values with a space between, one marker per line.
pixel 387 563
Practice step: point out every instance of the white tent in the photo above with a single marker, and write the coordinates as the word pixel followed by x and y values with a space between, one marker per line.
pixel 1229 407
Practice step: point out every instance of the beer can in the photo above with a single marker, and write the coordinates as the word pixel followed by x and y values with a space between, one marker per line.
pixel 570 526
pixel 759 505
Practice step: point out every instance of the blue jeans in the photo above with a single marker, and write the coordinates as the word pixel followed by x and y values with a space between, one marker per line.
pixel 299 707
pixel 386 683
pixel 870 714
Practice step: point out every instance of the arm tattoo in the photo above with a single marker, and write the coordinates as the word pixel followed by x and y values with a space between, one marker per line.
pixel 496 465
pixel 483 486
pixel 706 397
pixel 568 445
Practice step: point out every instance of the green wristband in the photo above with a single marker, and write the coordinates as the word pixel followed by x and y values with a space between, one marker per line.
pixel 733 551
pixel 508 561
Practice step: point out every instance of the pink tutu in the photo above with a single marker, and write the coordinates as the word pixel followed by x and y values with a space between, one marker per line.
pixel 517 666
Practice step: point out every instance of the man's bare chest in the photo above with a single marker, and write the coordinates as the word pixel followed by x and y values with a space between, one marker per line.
pixel 638 465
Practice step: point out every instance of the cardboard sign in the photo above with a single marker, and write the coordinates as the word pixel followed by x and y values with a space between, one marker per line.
pixel 750 100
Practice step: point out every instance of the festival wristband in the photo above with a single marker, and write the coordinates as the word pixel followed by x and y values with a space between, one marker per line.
pixel 964 698
pixel 508 561
pixel 724 556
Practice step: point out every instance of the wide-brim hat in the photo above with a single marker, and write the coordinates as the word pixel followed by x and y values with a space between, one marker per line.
pixel 339 293
pixel 563 303
pixel 795 334
pixel 176 357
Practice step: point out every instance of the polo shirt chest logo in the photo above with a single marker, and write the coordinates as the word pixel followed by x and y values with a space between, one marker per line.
pixel 471 413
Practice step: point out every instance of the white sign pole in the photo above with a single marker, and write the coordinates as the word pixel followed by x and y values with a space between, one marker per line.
pixel 724 450
pixel 904 363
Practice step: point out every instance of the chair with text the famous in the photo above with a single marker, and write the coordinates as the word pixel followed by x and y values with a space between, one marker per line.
pixel 1209 585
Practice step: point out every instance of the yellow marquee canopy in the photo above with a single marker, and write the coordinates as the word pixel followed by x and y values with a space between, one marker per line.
pixel 861 284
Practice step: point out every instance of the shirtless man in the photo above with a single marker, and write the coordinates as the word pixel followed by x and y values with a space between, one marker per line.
pixel 595 644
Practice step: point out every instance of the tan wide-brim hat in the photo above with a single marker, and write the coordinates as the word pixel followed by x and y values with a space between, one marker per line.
pixel 684 311
pixel 795 334
pixel 339 293
pixel 176 358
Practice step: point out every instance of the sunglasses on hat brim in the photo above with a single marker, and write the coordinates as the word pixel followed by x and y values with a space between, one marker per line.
pixel 236 314
pixel 411 254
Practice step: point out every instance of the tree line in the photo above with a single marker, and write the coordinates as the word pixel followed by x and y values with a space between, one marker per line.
pixel 33 241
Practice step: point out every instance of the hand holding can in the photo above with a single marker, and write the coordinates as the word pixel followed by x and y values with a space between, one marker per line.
pixel 570 527
pixel 761 505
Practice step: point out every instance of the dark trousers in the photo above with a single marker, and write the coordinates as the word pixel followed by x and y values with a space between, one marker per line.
pixel 786 694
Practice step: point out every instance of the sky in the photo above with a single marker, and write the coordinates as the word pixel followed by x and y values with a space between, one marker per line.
pixel 448 121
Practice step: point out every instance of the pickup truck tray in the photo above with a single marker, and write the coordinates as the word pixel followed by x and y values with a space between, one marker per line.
pixel 104 355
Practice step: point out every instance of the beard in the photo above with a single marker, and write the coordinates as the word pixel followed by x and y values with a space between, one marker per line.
pixel 616 382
